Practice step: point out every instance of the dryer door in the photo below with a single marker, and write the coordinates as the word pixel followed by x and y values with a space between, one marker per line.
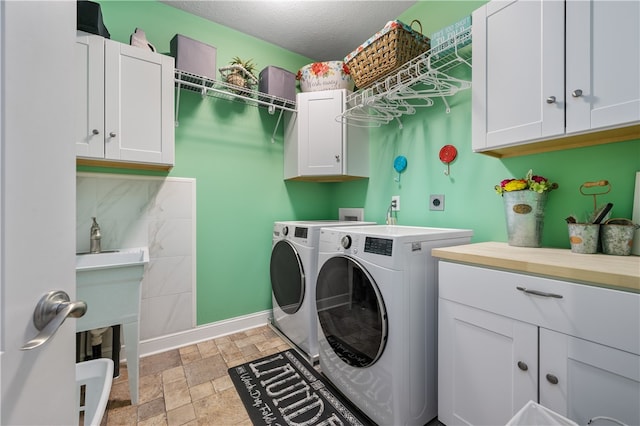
pixel 287 277
pixel 351 311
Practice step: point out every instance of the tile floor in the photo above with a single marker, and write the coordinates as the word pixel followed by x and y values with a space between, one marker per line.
pixel 190 385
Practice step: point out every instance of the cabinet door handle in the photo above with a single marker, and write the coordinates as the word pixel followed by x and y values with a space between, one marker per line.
pixel 539 293
pixel 112 134
pixel 576 93
pixel 551 100
pixel 552 379
pixel 96 132
pixel 523 366
pixel 337 158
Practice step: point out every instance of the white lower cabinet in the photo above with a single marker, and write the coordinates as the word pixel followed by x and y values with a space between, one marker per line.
pixel 318 146
pixel 505 338
pixel 125 103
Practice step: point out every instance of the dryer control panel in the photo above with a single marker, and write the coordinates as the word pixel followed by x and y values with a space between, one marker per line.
pixel 382 246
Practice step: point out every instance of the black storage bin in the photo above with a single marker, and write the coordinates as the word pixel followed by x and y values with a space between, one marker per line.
pixel 89 18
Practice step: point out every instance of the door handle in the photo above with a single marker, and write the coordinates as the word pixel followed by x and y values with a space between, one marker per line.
pixel 51 311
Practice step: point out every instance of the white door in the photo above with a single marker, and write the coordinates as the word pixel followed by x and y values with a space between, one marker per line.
pixel 37 207
pixel 487 365
pixel 89 96
pixel 583 380
pixel 603 64
pixel 321 136
pixel 518 72
pixel 138 105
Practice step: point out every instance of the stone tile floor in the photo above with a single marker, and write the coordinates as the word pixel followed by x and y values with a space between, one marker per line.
pixel 190 385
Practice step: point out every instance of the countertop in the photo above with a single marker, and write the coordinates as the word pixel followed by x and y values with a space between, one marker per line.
pixel 618 272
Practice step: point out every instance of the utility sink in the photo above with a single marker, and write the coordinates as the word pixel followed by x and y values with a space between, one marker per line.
pixel 112 259
pixel 110 283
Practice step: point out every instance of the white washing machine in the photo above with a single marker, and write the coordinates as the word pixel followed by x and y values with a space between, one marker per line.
pixel 293 269
pixel 376 297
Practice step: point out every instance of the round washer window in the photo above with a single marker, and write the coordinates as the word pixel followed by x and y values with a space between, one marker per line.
pixel 287 277
pixel 351 311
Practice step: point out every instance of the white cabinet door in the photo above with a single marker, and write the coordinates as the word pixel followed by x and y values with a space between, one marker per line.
pixel 321 136
pixel 89 96
pixel 603 64
pixel 518 72
pixel 317 146
pixel 582 380
pixel 138 105
pixel 487 365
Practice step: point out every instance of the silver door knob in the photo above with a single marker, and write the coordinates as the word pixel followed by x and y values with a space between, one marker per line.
pixel 551 100
pixel 552 379
pixel 112 134
pixel 576 93
pixel 523 366
pixel 96 132
pixel 337 158
pixel 51 311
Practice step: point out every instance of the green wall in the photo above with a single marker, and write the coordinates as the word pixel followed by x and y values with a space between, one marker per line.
pixel 227 147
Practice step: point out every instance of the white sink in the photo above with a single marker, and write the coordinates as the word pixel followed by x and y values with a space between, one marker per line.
pixel 110 284
pixel 112 259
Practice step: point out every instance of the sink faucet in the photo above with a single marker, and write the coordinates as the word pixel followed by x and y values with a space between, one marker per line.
pixel 95 237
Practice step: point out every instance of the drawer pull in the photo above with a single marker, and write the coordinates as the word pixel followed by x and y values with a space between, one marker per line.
pixel 523 366
pixel 552 379
pixel 539 293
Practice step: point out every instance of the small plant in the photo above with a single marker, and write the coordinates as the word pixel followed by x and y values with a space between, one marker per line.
pixel 530 182
pixel 240 73
pixel 248 65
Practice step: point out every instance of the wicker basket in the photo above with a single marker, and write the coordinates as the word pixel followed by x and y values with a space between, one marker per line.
pixel 386 54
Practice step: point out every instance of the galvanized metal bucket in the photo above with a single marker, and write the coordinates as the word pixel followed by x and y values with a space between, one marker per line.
pixel 617 236
pixel 524 211
pixel 584 237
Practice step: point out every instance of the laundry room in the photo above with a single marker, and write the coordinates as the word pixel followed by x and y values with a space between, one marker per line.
pixel 250 255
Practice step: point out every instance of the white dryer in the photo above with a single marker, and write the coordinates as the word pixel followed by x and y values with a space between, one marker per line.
pixel 293 269
pixel 376 297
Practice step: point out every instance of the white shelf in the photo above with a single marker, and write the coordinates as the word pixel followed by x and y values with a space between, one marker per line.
pixel 413 86
pixel 222 90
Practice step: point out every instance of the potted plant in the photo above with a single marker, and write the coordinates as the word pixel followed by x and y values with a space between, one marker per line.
pixel 240 73
pixel 524 202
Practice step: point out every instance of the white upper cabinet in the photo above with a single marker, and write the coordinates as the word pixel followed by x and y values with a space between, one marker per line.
pixel 532 83
pixel 318 146
pixel 125 104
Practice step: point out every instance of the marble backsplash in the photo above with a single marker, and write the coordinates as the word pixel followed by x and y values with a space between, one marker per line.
pixel 156 212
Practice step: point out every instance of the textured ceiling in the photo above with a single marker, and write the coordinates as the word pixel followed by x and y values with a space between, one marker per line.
pixel 322 30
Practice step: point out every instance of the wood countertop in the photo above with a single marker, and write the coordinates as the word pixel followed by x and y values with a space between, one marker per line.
pixel 619 272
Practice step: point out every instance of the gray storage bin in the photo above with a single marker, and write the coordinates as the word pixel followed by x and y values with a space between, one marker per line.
pixel 193 56
pixel 278 82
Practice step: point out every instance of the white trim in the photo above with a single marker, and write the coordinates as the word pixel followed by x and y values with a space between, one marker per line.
pixel 202 333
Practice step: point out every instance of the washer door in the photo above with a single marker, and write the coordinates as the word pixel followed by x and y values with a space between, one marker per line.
pixel 287 277
pixel 351 311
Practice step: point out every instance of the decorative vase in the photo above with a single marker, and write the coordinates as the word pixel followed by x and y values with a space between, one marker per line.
pixel 524 211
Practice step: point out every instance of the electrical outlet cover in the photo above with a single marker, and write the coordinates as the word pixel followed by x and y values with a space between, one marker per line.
pixel 436 202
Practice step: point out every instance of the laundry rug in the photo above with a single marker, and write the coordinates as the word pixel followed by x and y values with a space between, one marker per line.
pixel 283 389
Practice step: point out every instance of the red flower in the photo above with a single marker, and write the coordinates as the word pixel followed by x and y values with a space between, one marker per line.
pixel 319 68
pixel 345 69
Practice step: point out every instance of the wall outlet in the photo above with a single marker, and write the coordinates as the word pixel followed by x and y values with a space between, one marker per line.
pixel 395 203
pixel 436 202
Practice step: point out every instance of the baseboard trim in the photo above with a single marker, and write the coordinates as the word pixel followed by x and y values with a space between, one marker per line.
pixel 202 333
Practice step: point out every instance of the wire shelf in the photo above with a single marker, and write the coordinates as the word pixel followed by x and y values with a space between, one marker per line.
pixel 413 86
pixel 220 89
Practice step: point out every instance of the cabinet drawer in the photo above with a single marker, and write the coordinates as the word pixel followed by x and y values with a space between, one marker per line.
pixel 605 316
